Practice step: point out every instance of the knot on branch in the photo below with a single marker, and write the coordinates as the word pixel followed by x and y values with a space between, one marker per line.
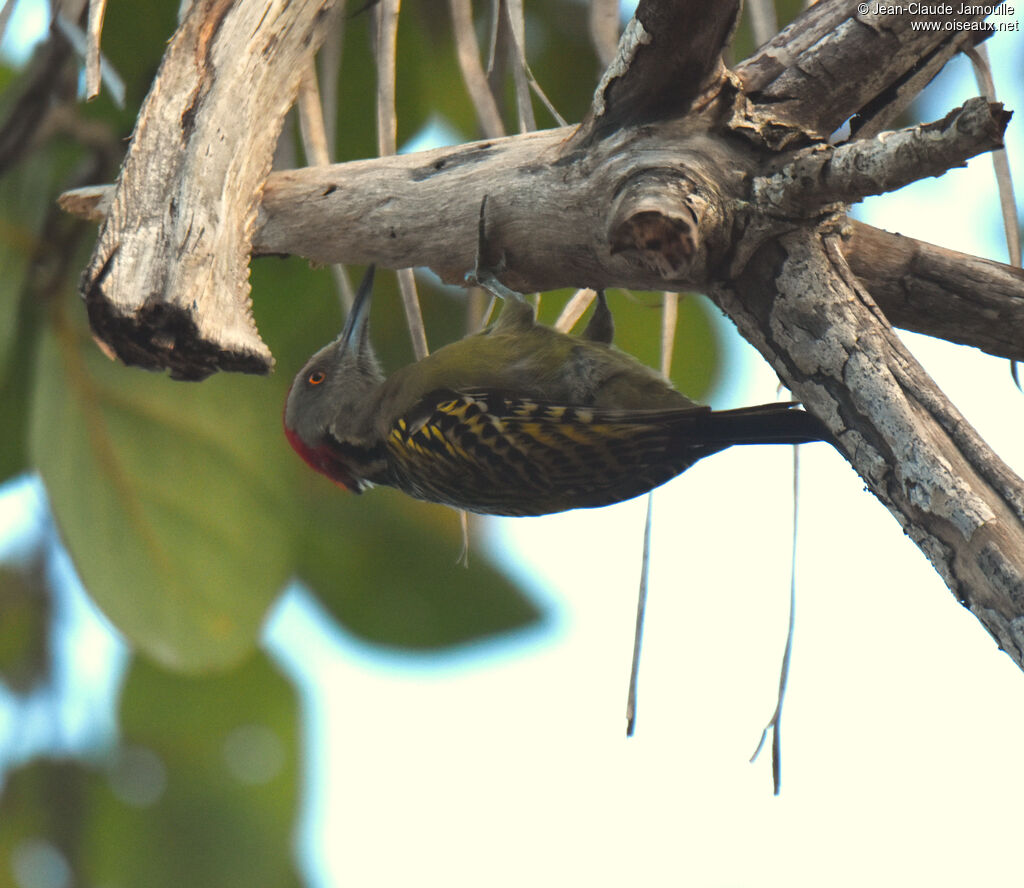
pixel 821 176
pixel 660 224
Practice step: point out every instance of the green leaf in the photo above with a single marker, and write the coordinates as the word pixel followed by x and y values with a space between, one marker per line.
pixel 41 807
pixel 229 747
pixel 21 219
pixel 388 570
pixel 26 606
pixel 201 791
pixel 163 496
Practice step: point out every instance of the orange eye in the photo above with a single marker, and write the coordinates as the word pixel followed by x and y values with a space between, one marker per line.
pixel 316 377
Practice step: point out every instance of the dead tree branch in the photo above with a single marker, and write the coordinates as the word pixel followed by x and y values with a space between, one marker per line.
pixel 940 292
pixel 168 282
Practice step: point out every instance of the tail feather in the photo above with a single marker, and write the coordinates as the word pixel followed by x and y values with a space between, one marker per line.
pixel 777 423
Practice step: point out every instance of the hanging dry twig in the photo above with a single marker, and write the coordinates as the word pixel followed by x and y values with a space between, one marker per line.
pixel 604 29
pixel 775 722
pixel 515 21
pixel 669 319
pixel 83 46
pixel 574 309
pixel 316 144
pixel 1004 179
pixel 468 52
pixel 387 133
pixel 97 8
pixel 311 119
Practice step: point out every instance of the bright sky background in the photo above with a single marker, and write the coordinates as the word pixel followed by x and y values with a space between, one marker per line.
pixel 507 764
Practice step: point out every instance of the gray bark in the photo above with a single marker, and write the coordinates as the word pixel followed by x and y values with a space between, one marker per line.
pixel 168 282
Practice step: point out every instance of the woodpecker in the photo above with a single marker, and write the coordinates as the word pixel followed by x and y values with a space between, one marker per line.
pixel 517 419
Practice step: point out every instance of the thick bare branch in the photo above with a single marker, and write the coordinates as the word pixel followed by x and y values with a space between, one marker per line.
pixel 468 53
pixel 167 285
pixel 833 63
pixel 420 209
pixel 821 175
pixel 669 54
pixel 804 310
pixel 940 292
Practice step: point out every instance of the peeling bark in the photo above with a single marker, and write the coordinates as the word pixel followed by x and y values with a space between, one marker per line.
pixel 833 64
pixel 168 282
pixel 668 54
pixel 806 312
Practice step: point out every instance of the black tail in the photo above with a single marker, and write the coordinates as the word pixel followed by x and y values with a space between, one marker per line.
pixel 778 423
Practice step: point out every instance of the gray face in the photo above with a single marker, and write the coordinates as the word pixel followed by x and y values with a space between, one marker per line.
pixel 334 391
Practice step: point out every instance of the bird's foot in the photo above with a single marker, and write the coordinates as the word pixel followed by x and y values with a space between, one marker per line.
pixel 485 275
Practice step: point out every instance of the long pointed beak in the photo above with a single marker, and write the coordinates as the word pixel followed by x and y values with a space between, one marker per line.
pixel 355 323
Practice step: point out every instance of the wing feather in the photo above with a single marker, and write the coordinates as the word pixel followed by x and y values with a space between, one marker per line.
pixel 489 452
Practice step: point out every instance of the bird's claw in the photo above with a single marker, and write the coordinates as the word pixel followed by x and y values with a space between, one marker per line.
pixel 484 275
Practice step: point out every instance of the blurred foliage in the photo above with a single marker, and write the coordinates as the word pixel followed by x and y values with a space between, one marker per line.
pixel 200 790
pixel 26 606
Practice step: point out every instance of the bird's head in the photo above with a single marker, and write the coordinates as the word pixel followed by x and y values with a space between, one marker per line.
pixel 329 399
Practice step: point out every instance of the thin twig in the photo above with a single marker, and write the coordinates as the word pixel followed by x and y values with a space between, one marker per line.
pixel 775 722
pixel 574 309
pixel 330 68
pixel 764 24
pixel 515 18
pixel 413 315
pixel 79 43
pixel 311 119
pixel 478 309
pixel 387 56
pixel 387 136
pixel 97 9
pixel 313 128
pixel 669 316
pixel 463 558
pixel 1004 179
pixel 467 51
pixel 603 22
pixel 552 110
pixel 521 65
pixel 638 634
pixel 492 39
pixel 479 305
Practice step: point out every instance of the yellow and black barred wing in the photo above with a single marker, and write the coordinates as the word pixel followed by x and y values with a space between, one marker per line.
pixel 493 453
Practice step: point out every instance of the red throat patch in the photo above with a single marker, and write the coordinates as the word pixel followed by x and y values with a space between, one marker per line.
pixel 322 460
